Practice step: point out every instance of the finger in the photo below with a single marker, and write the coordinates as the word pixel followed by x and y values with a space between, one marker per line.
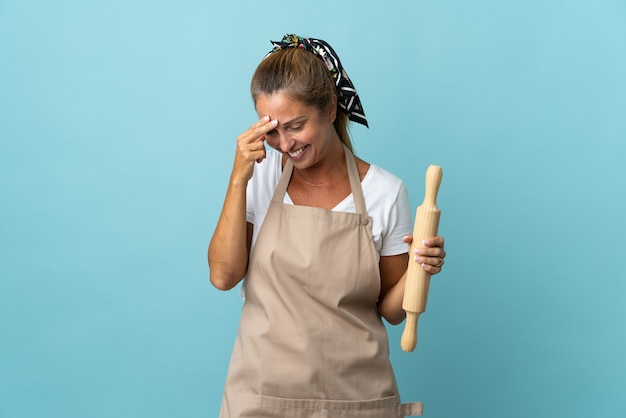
pixel 431 269
pixel 256 132
pixel 434 242
pixel 257 155
pixel 247 147
pixel 263 126
pixel 261 122
pixel 262 157
pixel 430 252
pixel 251 143
pixel 429 260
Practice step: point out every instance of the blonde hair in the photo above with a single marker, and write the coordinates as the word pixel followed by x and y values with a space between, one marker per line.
pixel 304 78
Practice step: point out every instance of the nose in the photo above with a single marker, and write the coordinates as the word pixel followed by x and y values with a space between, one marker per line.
pixel 286 145
pixel 284 142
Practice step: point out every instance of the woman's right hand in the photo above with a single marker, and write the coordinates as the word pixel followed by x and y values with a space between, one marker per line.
pixel 251 148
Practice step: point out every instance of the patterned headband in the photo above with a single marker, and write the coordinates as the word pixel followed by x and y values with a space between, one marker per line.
pixel 349 101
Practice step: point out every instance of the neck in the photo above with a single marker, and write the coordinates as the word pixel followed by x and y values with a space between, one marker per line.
pixel 328 171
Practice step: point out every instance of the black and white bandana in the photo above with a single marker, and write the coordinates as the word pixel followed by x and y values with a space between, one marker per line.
pixel 348 99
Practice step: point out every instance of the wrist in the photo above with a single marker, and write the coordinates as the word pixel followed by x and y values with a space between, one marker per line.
pixel 236 182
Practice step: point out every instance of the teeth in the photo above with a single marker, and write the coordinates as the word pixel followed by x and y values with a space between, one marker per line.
pixel 296 153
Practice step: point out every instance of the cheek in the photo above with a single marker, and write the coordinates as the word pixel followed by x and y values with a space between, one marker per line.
pixel 308 136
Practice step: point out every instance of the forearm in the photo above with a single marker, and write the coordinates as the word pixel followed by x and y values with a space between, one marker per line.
pixel 228 249
pixel 390 305
pixel 429 258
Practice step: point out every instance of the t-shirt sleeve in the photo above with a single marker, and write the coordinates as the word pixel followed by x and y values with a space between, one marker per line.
pixel 398 225
pixel 261 187
pixel 250 199
pixel 256 190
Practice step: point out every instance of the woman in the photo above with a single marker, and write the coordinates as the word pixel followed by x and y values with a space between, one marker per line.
pixel 321 237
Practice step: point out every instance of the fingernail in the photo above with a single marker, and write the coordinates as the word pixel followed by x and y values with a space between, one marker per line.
pixel 425 242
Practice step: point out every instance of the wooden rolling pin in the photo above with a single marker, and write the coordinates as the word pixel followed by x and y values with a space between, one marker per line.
pixel 417 279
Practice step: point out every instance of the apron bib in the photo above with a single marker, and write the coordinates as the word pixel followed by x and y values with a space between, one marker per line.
pixel 311 343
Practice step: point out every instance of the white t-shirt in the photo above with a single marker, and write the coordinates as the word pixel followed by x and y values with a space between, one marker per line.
pixel 386 199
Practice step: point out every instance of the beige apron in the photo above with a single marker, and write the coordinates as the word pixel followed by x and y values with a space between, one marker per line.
pixel 311 342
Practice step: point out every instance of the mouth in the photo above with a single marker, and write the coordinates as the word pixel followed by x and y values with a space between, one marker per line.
pixel 297 154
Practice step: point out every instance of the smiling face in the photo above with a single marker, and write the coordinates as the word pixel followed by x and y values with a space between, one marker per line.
pixel 304 133
pixel 305 78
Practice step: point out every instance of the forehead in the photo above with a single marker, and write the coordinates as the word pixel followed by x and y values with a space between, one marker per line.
pixel 280 106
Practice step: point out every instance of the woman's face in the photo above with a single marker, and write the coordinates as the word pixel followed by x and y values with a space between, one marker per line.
pixel 303 133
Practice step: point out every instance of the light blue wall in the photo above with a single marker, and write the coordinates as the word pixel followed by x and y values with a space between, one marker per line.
pixel 117 128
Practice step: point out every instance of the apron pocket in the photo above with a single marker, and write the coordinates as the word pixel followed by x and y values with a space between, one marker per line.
pixel 245 405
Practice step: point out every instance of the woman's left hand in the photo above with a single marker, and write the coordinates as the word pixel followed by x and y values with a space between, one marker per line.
pixel 432 256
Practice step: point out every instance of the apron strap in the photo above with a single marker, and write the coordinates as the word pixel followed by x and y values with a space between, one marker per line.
pixel 355 183
pixel 353 175
pixel 413 409
pixel 283 182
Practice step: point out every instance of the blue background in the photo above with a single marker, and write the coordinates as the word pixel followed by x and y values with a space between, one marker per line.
pixel 117 129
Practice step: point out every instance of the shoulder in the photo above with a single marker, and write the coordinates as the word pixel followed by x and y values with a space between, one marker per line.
pixel 386 196
pixel 377 176
pixel 387 201
pixel 383 182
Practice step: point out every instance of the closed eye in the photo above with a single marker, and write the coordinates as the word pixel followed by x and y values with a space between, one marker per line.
pixel 295 128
